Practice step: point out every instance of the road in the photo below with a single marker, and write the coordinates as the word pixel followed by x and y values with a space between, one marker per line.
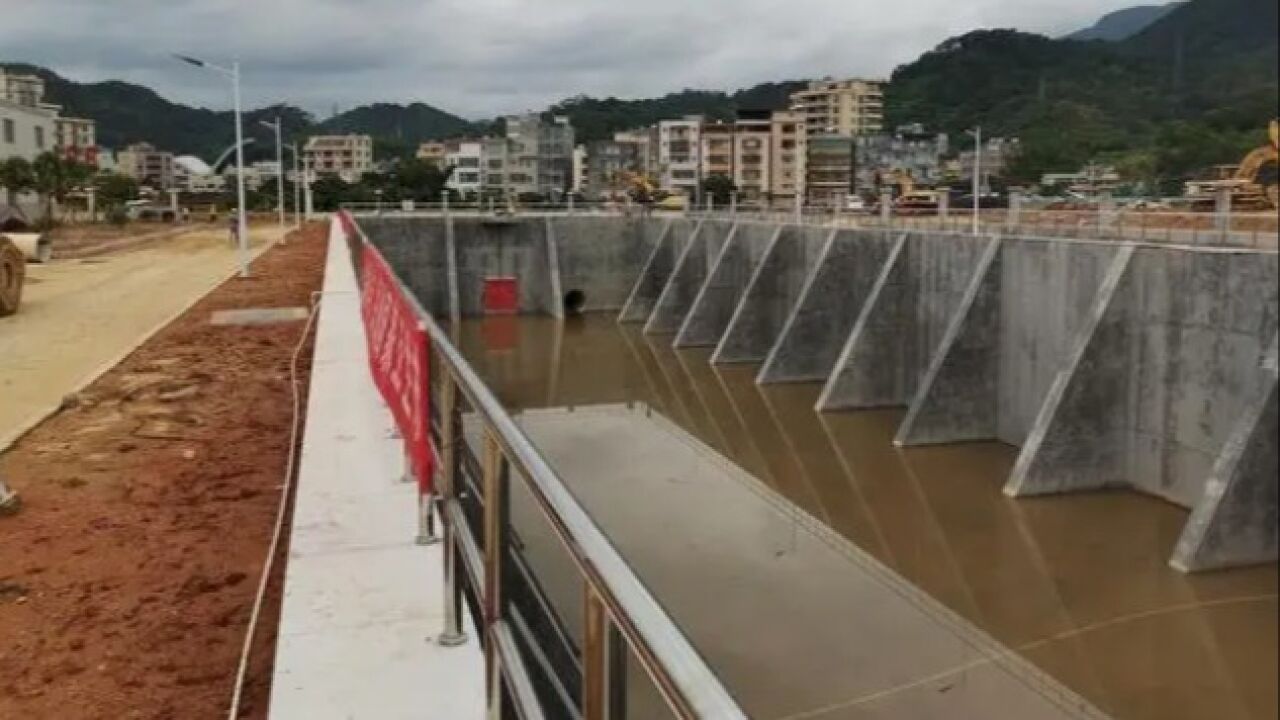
pixel 79 317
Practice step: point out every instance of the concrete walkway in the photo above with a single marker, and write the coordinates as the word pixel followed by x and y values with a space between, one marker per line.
pixel 362 602
pixel 79 318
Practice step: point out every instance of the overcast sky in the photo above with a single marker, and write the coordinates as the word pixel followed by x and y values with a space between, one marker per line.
pixel 480 58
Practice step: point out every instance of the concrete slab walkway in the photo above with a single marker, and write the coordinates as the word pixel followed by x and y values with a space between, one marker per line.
pixel 362 602
pixel 81 317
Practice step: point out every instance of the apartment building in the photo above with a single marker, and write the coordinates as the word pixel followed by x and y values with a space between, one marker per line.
pixel 645 142
pixel 25 130
pixel 434 153
pixel 77 139
pixel 752 155
pixel 608 165
pixel 25 90
pixel 347 156
pixel 788 156
pixel 535 158
pixel 465 159
pixel 149 166
pixel 829 169
pixel 680 155
pixel 841 107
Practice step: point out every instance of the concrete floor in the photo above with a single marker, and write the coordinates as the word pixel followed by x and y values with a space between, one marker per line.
pixel 80 317
pixel 362 602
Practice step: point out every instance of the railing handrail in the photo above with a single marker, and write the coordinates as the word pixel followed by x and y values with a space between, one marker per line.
pixel 674 664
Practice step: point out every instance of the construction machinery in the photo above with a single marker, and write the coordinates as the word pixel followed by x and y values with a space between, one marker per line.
pixel 1251 185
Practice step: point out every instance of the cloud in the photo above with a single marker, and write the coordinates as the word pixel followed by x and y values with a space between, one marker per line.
pixel 479 58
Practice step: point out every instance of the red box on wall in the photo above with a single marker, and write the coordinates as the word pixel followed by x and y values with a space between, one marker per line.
pixel 501 296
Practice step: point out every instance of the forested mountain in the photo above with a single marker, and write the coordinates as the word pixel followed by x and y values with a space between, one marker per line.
pixel 1123 24
pixel 1195 88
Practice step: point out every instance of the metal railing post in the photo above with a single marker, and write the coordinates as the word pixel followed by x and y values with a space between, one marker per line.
pixel 496 523
pixel 595 668
pixel 450 431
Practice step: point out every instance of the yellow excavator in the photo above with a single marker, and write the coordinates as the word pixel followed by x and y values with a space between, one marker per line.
pixel 1252 183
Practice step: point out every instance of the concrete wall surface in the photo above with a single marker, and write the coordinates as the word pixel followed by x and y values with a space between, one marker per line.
pixel 719 295
pixel 602 257
pixel 770 295
pixel 668 245
pixel 416 248
pixel 688 276
pixel 1024 309
pixel 903 321
pixel 829 305
pixel 490 249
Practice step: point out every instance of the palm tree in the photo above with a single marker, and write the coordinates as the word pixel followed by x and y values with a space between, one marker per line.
pixel 55 177
pixel 16 176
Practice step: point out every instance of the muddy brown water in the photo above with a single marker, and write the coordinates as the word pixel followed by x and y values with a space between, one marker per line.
pixel 1077 584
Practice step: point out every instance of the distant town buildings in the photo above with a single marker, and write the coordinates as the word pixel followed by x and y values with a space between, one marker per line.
pixel 465 159
pixel 679 155
pixel 995 156
pixel 909 151
pixel 346 156
pixel 433 153
pixel 841 107
pixel 29 126
pixel 193 175
pixel 147 165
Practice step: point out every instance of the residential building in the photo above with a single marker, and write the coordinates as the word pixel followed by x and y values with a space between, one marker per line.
pixel 679 155
pixel 995 156
pixel 608 164
pixel 715 154
pixel 752 155
pixel 347 156
pixel 435 153
pixel 149 166
pixel 841 107
pixel 25 130
pixel 829 169
pixel 541 155
pixel 645 141
pixel 787 171
pixel 579 168
pixel 76 139
pixel 910 150
pixel 496 155
pixel 465 159
pixel 19 89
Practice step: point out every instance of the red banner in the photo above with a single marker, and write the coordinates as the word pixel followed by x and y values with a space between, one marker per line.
pixel 398 358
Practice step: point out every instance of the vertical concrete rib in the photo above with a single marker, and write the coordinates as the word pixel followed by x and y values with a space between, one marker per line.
pixel 556 301
pixel 1235 521
pixel 1076 441
pixel 829 304
pixel 652 278
pixel 451 263
pixel 690 272
pixel 871 365
pixel 957 399
pixel 716 298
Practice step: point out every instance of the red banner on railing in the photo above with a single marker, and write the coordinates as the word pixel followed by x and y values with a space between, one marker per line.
pixel 398 358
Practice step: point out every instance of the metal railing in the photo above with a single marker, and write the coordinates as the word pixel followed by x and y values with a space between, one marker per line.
pixel 483 566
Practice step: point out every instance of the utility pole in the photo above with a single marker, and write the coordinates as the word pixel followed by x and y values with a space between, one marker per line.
pixel 279 168
pixel 977 175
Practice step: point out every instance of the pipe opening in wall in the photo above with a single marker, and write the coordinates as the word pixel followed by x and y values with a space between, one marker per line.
pixel 574 300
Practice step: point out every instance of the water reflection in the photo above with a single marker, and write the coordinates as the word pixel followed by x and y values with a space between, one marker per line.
pixel 1077 584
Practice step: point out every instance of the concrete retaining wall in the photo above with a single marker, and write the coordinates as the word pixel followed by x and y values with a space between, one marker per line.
pixel 812 336
pixel 601 257
pixel 668 246
pixel 1007 342
pixel 416 248
pixel 719 295
pixel 773 291
pixel 686 279
pixel 903 321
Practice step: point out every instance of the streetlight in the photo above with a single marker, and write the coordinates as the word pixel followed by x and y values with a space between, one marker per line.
pixel 279 167
pixel 242 224
pixel 977 172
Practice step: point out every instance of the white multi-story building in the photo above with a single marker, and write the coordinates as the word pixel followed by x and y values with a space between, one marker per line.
pixel 26 130
pixel 466 176
pixel 680 155
pixel 22 104
pixel 347 156
pixel 149 166
pixel 841 107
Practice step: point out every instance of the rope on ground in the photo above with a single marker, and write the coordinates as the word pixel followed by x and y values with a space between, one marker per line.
pixel 286 492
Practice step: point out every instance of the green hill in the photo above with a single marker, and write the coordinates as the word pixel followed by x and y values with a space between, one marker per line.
pixel 1195 88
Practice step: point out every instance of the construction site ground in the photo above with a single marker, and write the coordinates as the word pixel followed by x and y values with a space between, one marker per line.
pixel 78 316
pixel 149 499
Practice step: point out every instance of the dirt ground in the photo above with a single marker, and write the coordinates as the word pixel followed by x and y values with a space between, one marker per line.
pixel 127 578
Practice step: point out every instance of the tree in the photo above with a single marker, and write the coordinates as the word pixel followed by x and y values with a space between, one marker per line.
pixel 719 188
pixel 55 176
pixel 112 191
pixel 16 177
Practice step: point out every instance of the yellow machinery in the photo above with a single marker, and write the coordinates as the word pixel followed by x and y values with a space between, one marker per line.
pixel 1252 183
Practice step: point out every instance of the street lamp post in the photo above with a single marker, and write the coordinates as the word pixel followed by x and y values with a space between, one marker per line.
pixel 279 168
pixel 977 173
pixel 242 224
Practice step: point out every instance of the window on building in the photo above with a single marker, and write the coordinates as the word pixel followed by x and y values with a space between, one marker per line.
pixel 39 137
pixel 9 131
